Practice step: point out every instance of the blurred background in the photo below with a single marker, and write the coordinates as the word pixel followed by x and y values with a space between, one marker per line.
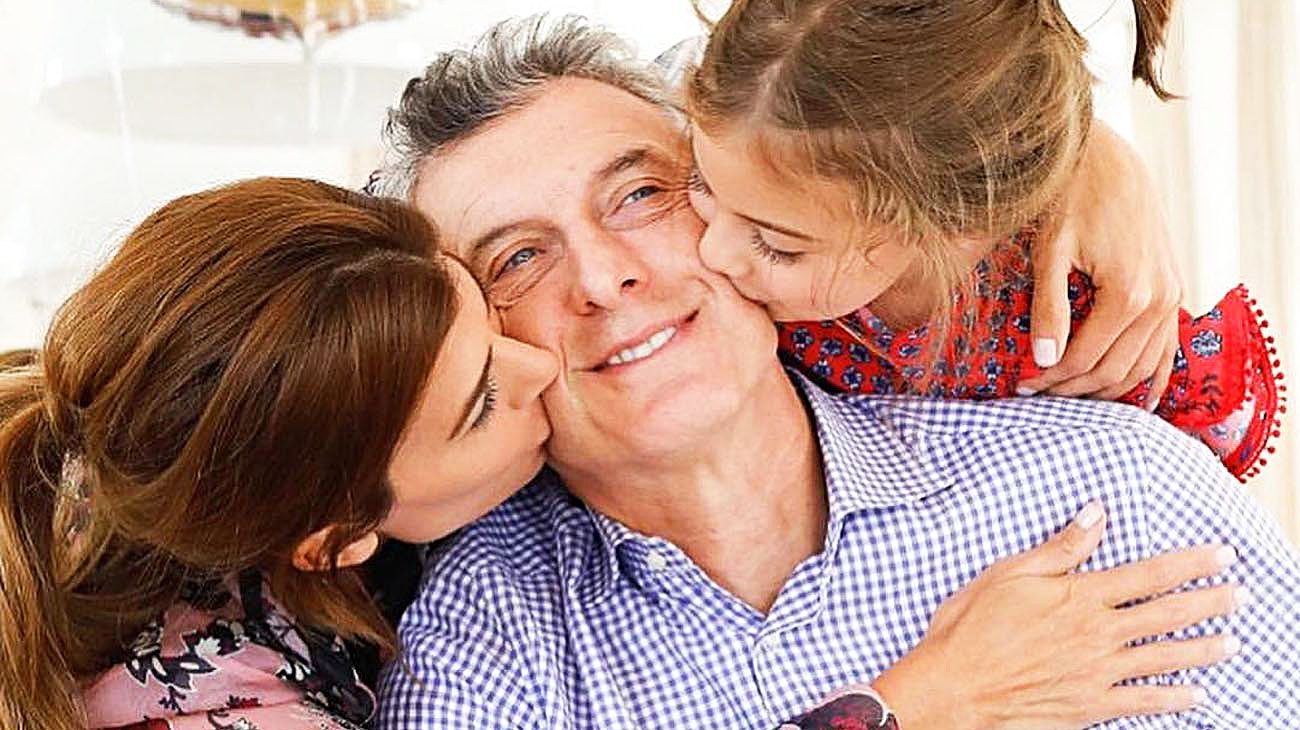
pixel 110 108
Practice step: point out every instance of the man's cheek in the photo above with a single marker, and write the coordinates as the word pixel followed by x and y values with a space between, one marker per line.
pixel 526 322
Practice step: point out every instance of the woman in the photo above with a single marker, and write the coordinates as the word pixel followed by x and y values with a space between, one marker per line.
pixel 264 379
pixel 222 422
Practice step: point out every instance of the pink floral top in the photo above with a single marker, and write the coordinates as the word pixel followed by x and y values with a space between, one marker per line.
pixel 229 657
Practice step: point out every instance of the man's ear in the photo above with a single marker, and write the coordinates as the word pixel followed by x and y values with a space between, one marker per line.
pixel 310 553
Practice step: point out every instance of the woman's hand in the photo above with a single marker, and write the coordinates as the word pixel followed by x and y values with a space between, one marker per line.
pixel 1030 645
pixel 1111 226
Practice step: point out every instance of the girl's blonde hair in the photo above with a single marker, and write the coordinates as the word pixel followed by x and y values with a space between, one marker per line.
pixel 945 117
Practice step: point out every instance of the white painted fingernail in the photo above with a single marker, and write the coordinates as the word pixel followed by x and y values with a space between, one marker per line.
pixel 1089 515
pixel 1225 556
pixel 1045 352
pixel 1231 645
pixel 1023 391
pixel 1242 597
pixel 1200 696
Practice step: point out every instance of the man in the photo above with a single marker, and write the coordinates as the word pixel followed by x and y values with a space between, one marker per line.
pixel 719 544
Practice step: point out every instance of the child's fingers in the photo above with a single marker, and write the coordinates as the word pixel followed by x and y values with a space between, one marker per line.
pixel 1109 319
pixel 1159 350
pixel 1164 370
pixel 1050 308
pixel 1117 369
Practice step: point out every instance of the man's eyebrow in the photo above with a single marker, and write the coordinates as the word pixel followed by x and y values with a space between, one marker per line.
pixel 757 221
pixel 473 398
pixel 625 161
pixel 485 242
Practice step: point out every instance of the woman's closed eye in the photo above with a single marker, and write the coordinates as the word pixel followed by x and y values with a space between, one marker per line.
pixel 489 401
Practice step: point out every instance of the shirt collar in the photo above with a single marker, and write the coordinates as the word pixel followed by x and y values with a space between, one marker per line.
pixel 591 545
pixel 869 459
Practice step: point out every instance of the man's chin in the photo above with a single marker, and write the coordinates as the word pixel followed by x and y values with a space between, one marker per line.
pixel 655 425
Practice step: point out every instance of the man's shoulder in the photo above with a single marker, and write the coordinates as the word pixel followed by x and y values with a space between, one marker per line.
pixel 1057 445
pixel 520 536
pixel 938 417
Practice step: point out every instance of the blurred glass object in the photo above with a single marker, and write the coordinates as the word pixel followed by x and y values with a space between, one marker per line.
pixel 308 20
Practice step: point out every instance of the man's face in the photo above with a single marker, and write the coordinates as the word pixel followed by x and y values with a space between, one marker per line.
pixel 573 214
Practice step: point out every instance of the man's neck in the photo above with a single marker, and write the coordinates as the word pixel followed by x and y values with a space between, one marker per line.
pixel 747 506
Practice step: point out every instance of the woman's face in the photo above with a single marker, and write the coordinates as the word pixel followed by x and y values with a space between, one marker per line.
pixel 797 249
pixel 478 432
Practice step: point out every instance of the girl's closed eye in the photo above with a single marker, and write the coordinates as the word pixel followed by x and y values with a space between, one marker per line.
pixel 767 251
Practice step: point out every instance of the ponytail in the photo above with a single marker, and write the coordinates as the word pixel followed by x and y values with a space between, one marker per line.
pixel 1152 25
pixel 1153 18
pixel 37 688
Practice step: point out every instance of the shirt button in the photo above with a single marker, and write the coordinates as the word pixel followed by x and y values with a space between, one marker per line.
pixel 657 562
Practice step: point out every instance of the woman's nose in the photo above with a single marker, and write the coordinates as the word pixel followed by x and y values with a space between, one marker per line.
pixel 531 369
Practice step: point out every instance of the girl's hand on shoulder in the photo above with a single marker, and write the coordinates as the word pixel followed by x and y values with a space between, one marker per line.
pixel 1111 226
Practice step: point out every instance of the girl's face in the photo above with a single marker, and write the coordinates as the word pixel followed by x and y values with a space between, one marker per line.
pixel 795 247
pixel 478 433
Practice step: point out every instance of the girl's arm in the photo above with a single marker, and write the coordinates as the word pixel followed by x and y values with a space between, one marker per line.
pixel 1110 226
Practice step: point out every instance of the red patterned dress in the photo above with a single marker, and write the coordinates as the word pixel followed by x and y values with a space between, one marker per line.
pixel 1224 388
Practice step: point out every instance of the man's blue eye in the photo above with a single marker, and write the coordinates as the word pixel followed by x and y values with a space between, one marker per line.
pixel 519 258
pixel 641 193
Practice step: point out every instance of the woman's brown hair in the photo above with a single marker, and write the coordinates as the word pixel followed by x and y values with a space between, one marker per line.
pixel 234 380
pixel 945 118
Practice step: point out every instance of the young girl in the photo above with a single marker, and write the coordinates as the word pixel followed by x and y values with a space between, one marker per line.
pixel 876 172
pixel 218 427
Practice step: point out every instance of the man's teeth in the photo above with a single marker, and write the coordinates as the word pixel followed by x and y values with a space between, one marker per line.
pixel 645 349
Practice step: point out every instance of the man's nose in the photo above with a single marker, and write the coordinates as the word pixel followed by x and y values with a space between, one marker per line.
pixel 722 248
pixel 607 269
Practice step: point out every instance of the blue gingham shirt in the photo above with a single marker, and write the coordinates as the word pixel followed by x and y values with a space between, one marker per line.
pixel 546 614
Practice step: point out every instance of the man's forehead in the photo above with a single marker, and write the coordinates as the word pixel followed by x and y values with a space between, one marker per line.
pixel 528 161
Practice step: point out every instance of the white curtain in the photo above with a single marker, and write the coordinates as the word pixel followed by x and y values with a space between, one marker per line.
pixel 1227 158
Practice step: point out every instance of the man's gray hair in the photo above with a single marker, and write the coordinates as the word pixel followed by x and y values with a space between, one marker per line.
pixel 463 91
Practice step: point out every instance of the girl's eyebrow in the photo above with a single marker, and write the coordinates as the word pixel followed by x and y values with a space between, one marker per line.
pixel 779 229
pixel 695 168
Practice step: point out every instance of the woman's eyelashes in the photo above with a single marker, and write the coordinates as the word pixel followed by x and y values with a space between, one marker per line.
pixel 489 405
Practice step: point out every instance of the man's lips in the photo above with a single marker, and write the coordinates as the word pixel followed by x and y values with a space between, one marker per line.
pixel 645 343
